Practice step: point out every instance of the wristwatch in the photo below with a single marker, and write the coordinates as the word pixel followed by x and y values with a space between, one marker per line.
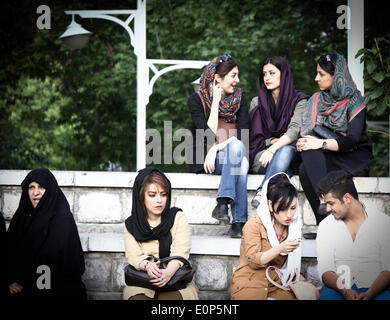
pixel 324 144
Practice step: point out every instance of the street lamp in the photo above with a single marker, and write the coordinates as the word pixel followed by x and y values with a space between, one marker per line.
pixel 75 37
pixel 144 65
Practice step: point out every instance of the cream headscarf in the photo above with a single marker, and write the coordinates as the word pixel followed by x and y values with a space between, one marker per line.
pixel 292 267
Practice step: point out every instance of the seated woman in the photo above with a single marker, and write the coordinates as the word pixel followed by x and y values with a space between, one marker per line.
pixel 41 234
pixel 340 107
pixel 154 228
pixel 219 113
pixel 270 238
pixel 275 119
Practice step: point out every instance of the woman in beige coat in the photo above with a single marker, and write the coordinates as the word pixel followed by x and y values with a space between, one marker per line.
pixel 154 228
pixel 270 238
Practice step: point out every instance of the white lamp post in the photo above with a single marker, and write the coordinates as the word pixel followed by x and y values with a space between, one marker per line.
pixel 138 41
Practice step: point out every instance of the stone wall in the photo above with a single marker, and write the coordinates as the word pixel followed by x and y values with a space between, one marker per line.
pixel 101 201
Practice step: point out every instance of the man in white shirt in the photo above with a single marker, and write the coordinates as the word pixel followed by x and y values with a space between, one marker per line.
pixel 353 248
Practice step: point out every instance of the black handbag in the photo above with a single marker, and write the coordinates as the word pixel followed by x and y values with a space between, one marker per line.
pixel 182 277
pixel 325 133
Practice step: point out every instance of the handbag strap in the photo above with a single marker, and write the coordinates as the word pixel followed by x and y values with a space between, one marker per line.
pixel 274 282
pixel 167 259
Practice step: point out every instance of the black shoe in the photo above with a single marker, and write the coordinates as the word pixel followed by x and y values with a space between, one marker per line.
pixel 220 212
pixel 322 209
pixel 310 235
pixel 236 230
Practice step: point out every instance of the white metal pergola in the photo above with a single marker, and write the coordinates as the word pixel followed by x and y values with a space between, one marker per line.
pixel 145 85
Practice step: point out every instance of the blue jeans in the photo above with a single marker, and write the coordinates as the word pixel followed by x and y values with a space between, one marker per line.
pixel 283 161
pixel 331 294
pixel 232 164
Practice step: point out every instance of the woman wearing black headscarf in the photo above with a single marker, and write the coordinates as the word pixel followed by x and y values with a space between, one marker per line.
pixel 44 255
pixel 154 228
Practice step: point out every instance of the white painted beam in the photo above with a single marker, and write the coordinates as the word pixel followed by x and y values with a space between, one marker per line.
pixel 356 41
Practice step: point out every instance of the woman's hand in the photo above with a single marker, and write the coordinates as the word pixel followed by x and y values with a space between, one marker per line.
pixel 166 274
pixel 266 158
pixel 153 270
pixel 209 161
pixel 309 143
pixel 288 246
pixel 274 140
pixel 217 93
pixel 15 288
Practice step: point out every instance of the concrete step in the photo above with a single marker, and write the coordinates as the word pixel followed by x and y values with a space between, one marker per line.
pixel 201 245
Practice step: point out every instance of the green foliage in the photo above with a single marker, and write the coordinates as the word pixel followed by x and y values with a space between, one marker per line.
pixel 377 96
pixel 77 110
pixel 377 79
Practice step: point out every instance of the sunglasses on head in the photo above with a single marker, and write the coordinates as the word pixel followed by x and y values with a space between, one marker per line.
pixel 225 57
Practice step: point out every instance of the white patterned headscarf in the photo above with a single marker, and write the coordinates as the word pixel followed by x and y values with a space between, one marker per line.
pixel 292 267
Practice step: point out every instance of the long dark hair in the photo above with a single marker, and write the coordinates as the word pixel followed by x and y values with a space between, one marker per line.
pixel 328 62
pixel 281 191
pixel 276 61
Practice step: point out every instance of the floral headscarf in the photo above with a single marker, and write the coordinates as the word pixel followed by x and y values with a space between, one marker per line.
pixel 229 107
pixel 337 108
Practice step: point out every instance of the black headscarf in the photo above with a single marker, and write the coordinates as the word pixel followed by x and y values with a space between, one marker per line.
pixel 31 223
pixel 46 234
pixel 138 225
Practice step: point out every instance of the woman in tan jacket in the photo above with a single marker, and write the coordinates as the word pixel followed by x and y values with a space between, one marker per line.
pixel 154 228
pixel 270 238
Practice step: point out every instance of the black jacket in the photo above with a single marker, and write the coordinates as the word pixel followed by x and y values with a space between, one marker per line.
pixel 201 145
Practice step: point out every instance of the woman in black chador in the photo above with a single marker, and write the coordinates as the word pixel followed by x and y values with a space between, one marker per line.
pixel 44 255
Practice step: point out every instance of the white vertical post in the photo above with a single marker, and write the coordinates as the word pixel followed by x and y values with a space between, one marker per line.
pixel 142 81
pixel 356 41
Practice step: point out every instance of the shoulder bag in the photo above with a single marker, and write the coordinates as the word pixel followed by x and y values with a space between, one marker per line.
pixel 325 133
pixel 179 280
pixel 303 290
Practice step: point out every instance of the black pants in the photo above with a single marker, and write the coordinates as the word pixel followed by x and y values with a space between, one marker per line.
pixel 315 166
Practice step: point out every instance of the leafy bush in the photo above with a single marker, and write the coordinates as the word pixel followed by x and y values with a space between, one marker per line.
pixel 377 95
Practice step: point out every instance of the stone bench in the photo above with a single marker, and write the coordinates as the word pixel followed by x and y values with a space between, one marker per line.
pixel 201 245
pixel 101 201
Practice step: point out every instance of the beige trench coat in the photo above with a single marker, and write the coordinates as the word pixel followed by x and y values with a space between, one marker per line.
pixel 249 281
pixel 136 252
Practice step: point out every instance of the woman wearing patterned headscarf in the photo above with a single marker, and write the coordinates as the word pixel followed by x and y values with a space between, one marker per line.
pixel 338 107
pixel 275 119
pixel 219 113
pixel 156 229
pixel 45 259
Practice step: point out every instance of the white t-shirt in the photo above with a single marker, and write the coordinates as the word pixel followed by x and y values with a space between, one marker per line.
pixel 358 262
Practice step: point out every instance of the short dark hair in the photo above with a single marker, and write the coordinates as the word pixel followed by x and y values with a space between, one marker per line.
pixel 223 67
pixel 281 190
pixel 328 62
pixel 338 183
pixel 276 61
